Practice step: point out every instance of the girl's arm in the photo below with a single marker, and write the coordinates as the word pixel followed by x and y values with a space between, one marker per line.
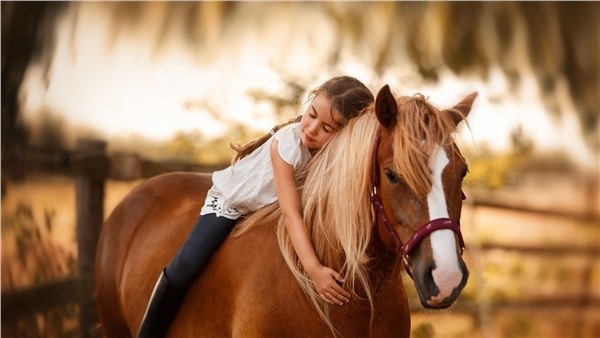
pixel 325 279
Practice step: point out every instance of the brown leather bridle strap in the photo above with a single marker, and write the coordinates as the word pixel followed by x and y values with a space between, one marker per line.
pixel 422 232
pixel 431 226
pixel 376 200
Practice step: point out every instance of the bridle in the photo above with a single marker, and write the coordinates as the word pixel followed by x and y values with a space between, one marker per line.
pixel 422 232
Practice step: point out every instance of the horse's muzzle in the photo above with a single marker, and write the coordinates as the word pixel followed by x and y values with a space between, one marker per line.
pixel 429 292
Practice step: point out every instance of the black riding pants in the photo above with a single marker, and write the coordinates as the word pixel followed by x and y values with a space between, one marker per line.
pixel 208 233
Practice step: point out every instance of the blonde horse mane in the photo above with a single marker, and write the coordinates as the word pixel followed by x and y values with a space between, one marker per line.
pixel 338 176
pixel 420 127
pixel 336 194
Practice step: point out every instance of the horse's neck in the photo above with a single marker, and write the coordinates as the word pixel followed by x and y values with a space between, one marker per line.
pixel 384 262
pixel 384 280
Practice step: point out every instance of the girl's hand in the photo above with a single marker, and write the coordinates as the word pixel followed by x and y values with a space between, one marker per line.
pixel 326 280
pixel 327 285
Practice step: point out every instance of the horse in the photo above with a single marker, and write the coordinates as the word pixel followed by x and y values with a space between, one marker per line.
pixel 385 194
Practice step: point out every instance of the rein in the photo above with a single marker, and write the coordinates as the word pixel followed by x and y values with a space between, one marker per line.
pixel 422 232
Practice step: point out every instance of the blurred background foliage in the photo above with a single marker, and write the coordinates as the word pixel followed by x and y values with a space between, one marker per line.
pixel 32 257
pixel 466 38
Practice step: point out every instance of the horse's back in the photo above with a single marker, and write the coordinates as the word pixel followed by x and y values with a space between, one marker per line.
pixel 147 226
pixel 239 291
pixel 233 295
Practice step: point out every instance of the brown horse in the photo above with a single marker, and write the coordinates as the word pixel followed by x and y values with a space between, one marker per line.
pixel 255 286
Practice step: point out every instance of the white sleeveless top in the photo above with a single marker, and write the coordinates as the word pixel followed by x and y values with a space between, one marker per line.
pixel 249 184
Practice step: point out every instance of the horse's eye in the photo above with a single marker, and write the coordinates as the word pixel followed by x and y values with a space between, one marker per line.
pixel 391 176
pixel 464 173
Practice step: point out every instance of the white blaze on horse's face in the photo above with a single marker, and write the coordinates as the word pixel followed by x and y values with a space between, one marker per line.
pixel 447 274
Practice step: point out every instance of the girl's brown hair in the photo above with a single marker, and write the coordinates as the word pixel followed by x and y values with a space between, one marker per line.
pixel 348 96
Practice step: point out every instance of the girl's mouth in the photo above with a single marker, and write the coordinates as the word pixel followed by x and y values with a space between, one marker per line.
pixel 308 138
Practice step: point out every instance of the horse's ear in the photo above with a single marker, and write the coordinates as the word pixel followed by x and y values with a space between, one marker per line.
pixel 386 107
pixel 460 111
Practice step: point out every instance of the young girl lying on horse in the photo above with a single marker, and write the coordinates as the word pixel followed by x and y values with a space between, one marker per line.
pixel 263 171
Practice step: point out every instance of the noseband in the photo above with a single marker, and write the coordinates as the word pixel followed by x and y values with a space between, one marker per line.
pixel 422 232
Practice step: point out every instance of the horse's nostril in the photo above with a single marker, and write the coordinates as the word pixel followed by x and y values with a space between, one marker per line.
pixel 429 282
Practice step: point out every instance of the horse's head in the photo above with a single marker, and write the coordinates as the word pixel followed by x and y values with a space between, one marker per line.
pixel 418 178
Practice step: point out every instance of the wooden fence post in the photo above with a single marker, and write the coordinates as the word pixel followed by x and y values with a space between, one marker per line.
pixel 91 165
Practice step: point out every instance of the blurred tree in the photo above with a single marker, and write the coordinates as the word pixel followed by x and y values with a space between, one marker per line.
pixel 559 41
pixel 286 101
pixel 25 35
pixel 50 132
pixel 184 145
pixel 521 143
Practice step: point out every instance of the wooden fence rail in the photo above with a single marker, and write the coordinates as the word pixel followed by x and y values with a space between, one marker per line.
pixel 95 163
pixel 44 297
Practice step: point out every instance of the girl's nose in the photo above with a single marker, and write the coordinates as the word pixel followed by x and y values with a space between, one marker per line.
pixel 312 129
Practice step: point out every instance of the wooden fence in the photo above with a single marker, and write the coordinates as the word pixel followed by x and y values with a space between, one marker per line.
pixel 91 166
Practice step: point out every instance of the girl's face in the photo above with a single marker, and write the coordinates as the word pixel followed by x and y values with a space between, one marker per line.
pixel 319 122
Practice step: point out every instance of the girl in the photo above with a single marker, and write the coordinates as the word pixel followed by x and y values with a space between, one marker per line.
pixel 262 172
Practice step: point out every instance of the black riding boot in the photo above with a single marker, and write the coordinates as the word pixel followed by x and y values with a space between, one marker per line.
pixel 208 233
pixel 162 308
